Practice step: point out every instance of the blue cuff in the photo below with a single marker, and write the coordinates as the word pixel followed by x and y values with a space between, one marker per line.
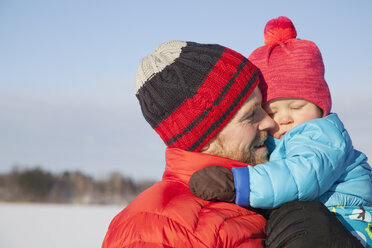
pixel 241 182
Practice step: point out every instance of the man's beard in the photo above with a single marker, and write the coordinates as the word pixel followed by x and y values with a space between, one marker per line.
pixel 246 155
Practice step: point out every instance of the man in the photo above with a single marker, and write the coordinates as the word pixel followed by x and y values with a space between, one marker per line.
pixel 204 103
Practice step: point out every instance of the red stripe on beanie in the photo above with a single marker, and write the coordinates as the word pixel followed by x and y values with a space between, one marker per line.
pixel 176 122
pixel 207 93
pixel 232 106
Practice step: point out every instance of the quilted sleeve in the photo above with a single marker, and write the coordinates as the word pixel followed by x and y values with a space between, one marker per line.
pixel 307 165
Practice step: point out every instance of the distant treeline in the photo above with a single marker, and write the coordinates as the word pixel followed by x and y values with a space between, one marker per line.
pixel 37 185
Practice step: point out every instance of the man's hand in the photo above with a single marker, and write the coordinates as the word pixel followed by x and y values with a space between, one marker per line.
pixel 213 183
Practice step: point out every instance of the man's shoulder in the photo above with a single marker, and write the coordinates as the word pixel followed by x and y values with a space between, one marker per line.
pixel 170 198
pixel 169 209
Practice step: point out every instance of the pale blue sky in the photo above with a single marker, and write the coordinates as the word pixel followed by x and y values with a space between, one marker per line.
pixel 67 71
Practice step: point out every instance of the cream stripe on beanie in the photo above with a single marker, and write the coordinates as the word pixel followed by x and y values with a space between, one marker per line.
pixel 164 55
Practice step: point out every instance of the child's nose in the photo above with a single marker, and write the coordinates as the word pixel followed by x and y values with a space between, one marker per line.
pixel 285 119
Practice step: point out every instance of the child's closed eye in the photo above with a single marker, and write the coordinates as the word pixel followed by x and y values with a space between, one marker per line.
pixel 297 106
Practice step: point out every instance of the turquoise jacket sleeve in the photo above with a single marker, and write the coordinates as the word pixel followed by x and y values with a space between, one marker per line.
pixel 305 164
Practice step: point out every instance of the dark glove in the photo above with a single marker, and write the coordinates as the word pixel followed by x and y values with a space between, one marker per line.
pixel 213 183
pixel 307 224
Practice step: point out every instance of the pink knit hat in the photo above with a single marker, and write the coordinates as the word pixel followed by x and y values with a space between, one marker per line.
pixel 292 68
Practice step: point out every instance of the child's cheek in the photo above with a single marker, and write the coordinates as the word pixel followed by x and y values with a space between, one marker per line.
pixel 276 135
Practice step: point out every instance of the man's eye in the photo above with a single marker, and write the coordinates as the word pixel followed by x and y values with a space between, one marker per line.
pixel 248 116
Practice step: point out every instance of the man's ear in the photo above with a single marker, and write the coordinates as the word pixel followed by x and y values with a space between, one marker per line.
pixel 207 146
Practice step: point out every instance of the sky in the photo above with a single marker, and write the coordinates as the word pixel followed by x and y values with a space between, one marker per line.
pixel 67 72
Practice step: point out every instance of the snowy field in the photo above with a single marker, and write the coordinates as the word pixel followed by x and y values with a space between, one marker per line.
pixel 52 225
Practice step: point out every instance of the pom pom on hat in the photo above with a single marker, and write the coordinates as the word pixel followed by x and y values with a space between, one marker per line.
pixel 279 30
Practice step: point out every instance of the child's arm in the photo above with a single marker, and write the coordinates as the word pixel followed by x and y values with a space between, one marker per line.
pixel 314 160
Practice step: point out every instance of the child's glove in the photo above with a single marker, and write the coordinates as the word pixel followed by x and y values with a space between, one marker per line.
pixel 213 183
pixel 307 224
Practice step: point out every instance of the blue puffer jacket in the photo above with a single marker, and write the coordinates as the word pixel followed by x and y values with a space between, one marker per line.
pixel 314 161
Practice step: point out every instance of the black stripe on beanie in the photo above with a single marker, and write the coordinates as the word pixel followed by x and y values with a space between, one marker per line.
pixel 219 121
pixel 216 102
pixel 160 96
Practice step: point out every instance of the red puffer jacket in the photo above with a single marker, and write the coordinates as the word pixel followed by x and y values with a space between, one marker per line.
pixel 169 215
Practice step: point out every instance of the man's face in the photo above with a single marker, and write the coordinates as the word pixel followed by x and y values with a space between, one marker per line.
pixel 243 137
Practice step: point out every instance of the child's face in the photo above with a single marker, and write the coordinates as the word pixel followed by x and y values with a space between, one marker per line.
pixel 288 113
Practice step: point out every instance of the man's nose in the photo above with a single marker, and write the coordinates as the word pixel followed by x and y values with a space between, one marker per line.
pixel 266 122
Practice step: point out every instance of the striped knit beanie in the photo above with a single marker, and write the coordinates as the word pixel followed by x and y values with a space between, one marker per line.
pixel 188 91
pixel 292 68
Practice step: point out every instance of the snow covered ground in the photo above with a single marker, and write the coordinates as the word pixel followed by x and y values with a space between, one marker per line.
pixel 52 225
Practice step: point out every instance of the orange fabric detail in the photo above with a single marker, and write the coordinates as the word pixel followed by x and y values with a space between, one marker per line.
pixel 169 215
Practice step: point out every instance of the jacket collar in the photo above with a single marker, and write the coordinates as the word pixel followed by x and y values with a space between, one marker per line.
pixel 181 164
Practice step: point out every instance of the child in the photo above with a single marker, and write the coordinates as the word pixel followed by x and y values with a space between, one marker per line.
pixel 312 156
